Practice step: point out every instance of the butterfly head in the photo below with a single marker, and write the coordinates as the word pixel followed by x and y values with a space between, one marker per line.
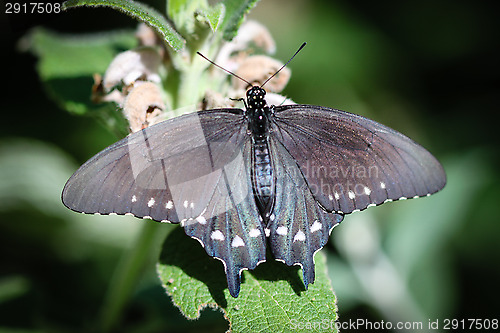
pixel 256 97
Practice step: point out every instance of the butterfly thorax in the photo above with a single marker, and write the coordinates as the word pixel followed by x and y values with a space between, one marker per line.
pixel 262 176
pixel 257 112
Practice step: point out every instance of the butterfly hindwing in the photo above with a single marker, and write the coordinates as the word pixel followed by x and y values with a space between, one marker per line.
pixel 351 162
pixel 298 226
pixel 234 232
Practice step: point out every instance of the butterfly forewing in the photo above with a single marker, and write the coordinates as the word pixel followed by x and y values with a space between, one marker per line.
pixel 351 162
pixel 163 172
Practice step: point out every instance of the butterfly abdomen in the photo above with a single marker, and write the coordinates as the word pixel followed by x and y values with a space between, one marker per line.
pixel 263 178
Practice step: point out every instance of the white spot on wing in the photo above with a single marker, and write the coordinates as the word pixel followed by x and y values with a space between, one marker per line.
pixel 217 235
pixel 337 196
pixel 299 236
pixel 382 185
pixel 316 226
pixel 351 195
pixel 134 198
pixel 254 233
pixel 367 190
pixel 201 220
pixel 267 231
pixel 151 202
pixel 282 230
pixel 186 204
pixel 191 205
pixel 237 241
pixel 169 205
pixel 272 217
pixel 330 197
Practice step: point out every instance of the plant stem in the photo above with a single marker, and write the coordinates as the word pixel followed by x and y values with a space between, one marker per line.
pixel 192 83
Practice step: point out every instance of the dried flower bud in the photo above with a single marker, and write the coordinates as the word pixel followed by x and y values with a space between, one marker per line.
pixel 257 69
pixel 215 100
pixel 147 36
pixel 249 32
pixel 98 93
pixel 130 66
pixel 143 106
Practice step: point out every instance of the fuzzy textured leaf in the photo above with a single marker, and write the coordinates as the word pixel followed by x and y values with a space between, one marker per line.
pixel 181 12
pixel 235 14
pixel 272 297
pixel 140 11
pixel 215 15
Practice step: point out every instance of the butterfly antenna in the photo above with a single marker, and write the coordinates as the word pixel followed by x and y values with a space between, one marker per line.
pixel 279 70
pixel 225 70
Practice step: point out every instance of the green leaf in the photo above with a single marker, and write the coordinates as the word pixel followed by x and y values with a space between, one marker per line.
pixel 181 12
pixel 139 11
pixel 215 15
pixel 235 14
pixel 12 287
pixel 272 297
pixel 65 55
pixel 66 64
pixel 195 19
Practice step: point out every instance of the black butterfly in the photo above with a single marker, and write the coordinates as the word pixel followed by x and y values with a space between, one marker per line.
pixel 241 180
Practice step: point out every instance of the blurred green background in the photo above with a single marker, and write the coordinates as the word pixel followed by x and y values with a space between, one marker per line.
pixel 429 69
